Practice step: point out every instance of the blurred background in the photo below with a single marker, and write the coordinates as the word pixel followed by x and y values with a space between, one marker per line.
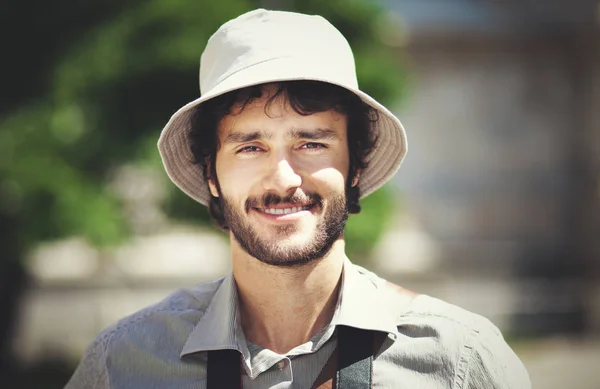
pixel 496 207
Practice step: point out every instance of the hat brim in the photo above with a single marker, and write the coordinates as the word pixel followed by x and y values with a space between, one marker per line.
pixel 174 147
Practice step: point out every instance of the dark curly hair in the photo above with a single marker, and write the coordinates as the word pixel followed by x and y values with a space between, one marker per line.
pixel 306 98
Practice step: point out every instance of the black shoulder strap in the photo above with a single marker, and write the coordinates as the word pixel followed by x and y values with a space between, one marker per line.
pixel 353 372
pixel 224 370
pixel 355 358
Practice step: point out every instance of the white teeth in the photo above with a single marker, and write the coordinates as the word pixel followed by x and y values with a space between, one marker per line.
pixel 284 211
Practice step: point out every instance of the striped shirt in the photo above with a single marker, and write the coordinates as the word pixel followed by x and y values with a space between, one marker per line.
pixel 431 344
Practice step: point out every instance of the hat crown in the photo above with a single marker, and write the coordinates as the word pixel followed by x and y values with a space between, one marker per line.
pixel 259 36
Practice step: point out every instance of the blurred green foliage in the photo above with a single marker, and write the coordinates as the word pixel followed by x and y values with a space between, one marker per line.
pixel 364 230
pixel 103 92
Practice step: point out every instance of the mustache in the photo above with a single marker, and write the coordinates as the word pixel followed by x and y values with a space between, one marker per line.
pixel 274 199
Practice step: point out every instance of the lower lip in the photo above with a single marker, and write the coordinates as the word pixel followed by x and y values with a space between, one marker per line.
pixel 286 217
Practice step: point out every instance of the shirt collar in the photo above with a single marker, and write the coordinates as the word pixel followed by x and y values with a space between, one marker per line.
pixel 361 305
pixel 219 327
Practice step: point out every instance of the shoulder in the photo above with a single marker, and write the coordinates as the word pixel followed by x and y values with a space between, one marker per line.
pixel 454 327
pixel 155 334
pixel 444 313
pixel 464 347
pixel 471 343
pixel 163 326
pixel 183 306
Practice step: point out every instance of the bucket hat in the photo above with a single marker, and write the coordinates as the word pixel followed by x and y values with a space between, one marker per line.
pixel 263 46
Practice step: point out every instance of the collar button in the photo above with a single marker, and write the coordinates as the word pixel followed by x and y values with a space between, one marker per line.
pixel 282 364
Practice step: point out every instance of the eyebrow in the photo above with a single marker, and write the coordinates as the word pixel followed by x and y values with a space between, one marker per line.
pixel 314 134
pixel 242 137
pixel 295 133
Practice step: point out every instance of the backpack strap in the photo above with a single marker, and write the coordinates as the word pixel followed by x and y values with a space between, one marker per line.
pixel 351 363
pixel 224 369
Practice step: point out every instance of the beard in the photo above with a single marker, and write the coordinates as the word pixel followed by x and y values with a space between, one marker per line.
pixel 271 248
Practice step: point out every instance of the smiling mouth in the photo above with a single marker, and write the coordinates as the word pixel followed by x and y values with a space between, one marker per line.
pixel 286 210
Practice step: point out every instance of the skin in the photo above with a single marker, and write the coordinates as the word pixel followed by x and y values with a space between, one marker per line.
pixel 284 301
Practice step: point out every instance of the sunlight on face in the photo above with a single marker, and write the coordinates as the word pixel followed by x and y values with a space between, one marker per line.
pixel 282 179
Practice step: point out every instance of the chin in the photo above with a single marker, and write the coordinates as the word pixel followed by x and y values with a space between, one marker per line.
pixel 297 238
pixel 296 245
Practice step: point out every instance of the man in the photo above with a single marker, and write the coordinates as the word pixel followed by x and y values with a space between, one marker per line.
pixel 280 146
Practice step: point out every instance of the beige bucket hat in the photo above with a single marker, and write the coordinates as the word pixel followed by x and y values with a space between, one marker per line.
pixel 267 46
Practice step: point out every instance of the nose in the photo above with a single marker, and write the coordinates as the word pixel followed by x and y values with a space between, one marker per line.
pixel 282 179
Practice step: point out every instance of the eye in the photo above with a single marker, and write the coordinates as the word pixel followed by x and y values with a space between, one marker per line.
pixel 248 150
pixel 313 146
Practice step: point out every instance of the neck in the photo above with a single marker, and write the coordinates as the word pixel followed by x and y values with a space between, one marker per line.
pixel 283 307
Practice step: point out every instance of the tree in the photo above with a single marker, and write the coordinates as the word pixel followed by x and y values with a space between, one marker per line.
pixel 89 88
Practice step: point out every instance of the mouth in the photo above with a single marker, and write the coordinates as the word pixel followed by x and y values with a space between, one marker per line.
pixel 287 212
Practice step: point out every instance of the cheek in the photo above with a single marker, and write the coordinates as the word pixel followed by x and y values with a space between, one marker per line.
pixel 235 180
pixel 333 170
pixel 330 178
pixel 325 163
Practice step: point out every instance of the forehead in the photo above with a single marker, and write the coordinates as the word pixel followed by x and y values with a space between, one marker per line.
pixel 275 114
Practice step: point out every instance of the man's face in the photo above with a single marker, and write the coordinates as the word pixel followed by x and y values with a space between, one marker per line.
pixel 282 180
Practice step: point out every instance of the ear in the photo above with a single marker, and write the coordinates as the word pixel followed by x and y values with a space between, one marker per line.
pixel 213 188
pixel 355 179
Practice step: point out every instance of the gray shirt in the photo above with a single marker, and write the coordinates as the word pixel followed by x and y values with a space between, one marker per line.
pixel 431 344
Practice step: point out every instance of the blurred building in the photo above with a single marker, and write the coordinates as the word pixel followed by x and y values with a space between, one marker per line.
pixel 78 290
pixel 503 169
